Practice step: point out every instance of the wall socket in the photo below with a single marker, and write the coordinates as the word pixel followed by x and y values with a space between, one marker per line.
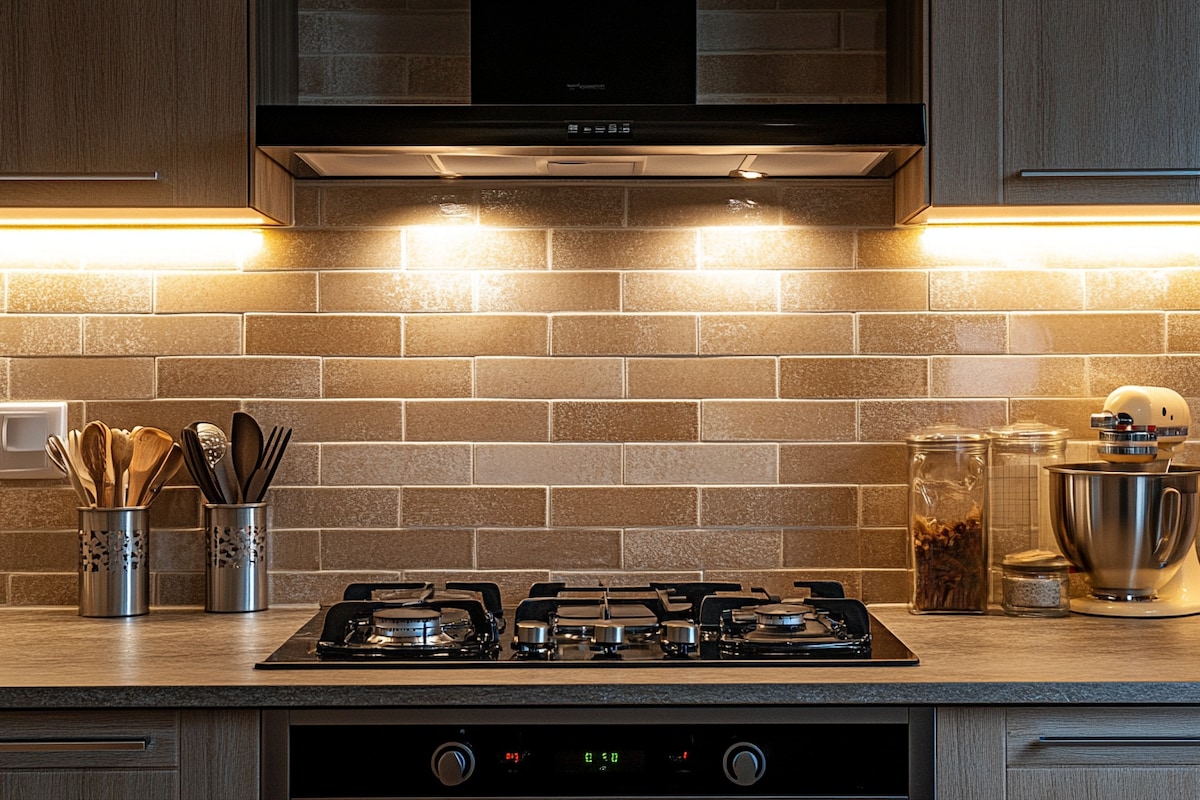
pixel 24 429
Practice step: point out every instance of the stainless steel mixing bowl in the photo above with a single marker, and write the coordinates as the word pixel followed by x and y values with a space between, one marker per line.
pixel 1127 531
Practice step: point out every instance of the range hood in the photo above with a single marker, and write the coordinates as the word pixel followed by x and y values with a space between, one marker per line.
pixel 612 98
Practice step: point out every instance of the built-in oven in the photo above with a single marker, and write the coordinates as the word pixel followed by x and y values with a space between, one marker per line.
pixel 580 753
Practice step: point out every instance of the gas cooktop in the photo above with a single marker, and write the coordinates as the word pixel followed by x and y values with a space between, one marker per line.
pixel 397 625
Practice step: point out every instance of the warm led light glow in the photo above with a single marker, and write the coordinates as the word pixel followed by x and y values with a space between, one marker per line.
pixel 138 248
pixel 1038 245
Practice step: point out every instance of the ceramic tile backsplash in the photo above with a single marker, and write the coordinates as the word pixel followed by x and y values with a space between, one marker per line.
pixel 584 380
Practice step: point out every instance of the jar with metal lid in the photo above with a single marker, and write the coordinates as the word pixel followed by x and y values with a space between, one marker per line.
pixel 947 508
pixel 1035 583
pixel 1019 489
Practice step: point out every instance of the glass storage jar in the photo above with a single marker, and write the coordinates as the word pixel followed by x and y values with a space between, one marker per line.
pixel 947 508
pixel 1035 583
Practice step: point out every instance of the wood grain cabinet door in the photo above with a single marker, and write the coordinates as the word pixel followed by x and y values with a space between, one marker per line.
pixel 124 103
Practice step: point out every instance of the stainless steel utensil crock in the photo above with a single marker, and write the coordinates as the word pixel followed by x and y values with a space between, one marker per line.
pixel 1128 531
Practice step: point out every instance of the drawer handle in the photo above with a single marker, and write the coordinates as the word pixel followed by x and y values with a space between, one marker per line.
pixel 1109 173
pixel 1119 741
pixel 81 176
pixel 72 746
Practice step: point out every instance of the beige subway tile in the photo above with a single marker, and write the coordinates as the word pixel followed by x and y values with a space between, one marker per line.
pixel 886 586
pixel 854 290
pixel 396 205
pixel 776 334
pixel 476 335
pixel 340 507
pixel 779 506
pixel 440 76
pixel 549 291
pixel 921 334
pixel 311 588
pixel 681 205
pixel 572 548
pixel 55 551
pixel 853 377
pixel 176 550
pixel 1156 289
pixel 1106 373
pixel 778 30
pixel 258 376
pixel 670 378
pixel 1087 333
pixel 548 464
pixel 778 248
pixel 563 205
pixel 1006 290
pixel 197 293
pixel 322 335
pixel 300 466
pixel 44 589
pixel 44 292
pixel 822 548
pixel 885 506
pixel 393 464
pixel 4 369
pixel 198 334
pixel 30 335
pixel 624 421
pixel 397 549
pixel 1183 332
pixel 623 334
pixel 714 291
pixel 393 291
pixel 1074 414
pixel 836 462
pixel 549 377
pixel 477 421
pixel 852 74
pixel 306 199
pixel 293 550
pixel 1004 376
pixel 397 377
pixel 884 548
pixel 701 463
pixel 622 506
pixel 333 420
pixel 299 249
pixel 622 249
pixel 700 549
pixel 892 420
pixel 80 378
pixel 177 589
pixel 778 420
pixel 475 506
pixel 906 246
pixel 862 202
pixel 462 247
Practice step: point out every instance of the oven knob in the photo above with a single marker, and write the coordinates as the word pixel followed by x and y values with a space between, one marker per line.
pixel 533 633
pixel 608 632
pixel 744 764
pixel 680 632
pixel 453 763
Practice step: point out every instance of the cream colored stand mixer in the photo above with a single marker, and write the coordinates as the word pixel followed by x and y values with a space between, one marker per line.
pixel 1129 521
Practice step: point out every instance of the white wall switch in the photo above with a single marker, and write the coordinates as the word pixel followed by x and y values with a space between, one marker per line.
pixel 24 429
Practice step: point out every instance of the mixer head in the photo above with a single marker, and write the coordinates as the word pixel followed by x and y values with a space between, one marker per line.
pixel 1140 424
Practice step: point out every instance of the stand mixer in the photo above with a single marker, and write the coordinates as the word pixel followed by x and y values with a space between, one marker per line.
pixel 1129 521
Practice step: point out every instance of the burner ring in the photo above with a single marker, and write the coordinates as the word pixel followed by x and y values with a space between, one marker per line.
pixel 406 623
pixel 780 616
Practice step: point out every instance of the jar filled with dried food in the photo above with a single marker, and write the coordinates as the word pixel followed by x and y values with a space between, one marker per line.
pixel 947 507
pixel 1035 583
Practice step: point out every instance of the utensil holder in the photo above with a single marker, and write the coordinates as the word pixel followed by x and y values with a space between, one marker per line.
pixel 114 562
pixel 236 557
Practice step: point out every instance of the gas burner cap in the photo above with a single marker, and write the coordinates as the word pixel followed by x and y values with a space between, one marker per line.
pixel 780 615
pixel 405 624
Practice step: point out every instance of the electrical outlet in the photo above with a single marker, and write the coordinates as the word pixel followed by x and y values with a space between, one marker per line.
pixel 24 429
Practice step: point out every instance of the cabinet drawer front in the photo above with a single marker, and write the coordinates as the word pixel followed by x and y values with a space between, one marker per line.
pixel 80 739
pixel 1103 736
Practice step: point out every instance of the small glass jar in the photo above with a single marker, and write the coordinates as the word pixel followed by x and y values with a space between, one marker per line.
pixel 947 503
pixel 1035 583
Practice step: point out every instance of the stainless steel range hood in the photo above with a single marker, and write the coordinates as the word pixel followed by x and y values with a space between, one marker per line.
pixel 673 141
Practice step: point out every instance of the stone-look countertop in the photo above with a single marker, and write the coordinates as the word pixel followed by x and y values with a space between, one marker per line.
pixel 188 658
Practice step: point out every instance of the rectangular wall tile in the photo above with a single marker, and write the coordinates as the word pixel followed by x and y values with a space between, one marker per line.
pixel 629 506
pixel 477 420
pixel 776 334
pixel 778 420
pixel 396 377
pixel 733 247
pixel 387 291
pixel 46 292
pixel 349 507
pixel 560 205
pixel 176 335
pixel 989 376
pixel 701 549
pixel 822 549
pixel 1000 290
pixel 572 548
pixel 333 420
pixel 832 462
pixel 322 335
pixel 295 248
pixel 549 291
pixel 702 291
pixel 548 464
pixel 1076 333
pixel 461 247
pixel 701 463
pixel 853 377
pixel 198 293
pixel 476 506
pixel 624 421
pixel 779 506
pixel 623 334
pixel 932 334
pixel 396 549
pixel 476 335
pixel 81 378
pixel 549 377
pixel 699 378
pixel 258 376
pixel 393 464
pixel 34 335
pixel 854 290
pixel 574 248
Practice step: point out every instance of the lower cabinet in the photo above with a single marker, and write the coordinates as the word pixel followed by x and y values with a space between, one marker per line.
pixel 1031 753
pixel 145 754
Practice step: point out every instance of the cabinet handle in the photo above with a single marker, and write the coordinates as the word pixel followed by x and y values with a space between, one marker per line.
pixel 1119 741
pixel 81 176
pixel 1109 173
pixel 72 746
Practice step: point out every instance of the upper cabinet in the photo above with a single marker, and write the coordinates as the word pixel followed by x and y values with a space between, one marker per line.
pixel 132 110
pixel 1048 108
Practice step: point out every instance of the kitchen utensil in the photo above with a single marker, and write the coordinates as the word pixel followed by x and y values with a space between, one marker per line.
pixel 56 448
pixel 149 448
pixel 94 443
pixel 277 443
pixel 120 453
pixel 167 467
pixel 197 464
pixel 216 453
pixel 247 451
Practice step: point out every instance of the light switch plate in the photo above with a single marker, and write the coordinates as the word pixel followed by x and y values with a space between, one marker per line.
pixel 24 429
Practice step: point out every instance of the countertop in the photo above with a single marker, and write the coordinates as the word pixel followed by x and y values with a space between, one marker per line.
pixel 189 658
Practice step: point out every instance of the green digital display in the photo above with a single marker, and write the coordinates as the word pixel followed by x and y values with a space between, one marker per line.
pixel 596 761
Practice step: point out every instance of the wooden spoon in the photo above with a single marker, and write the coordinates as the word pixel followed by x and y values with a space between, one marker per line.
pixel 246 444
pixel 94 442
pixel 149 448
pixel 57 450
pixel 170 464
pixel 121 452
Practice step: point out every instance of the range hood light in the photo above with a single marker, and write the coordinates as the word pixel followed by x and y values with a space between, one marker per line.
pixel 747 174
